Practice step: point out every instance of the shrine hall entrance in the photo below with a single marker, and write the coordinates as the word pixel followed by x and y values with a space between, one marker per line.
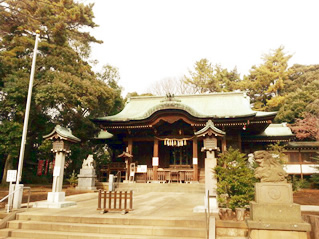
pixel 176 156
pixel 179 156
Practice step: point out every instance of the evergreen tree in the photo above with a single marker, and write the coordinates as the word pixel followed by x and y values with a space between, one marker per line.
pixel 266 82
pixel 207 78
pixel 302 100
pixel 235 179
pixel 66 91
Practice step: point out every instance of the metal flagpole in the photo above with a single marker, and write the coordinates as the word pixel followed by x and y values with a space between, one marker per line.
pixel 18 194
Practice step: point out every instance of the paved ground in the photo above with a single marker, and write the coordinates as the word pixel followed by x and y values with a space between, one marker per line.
pixel 152 204
pixel 157 204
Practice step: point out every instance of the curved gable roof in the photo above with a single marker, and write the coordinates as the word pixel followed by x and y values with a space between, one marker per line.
pixel 215 105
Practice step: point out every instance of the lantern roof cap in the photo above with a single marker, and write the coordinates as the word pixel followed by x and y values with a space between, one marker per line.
pixel 125 155
pixel 60 132
pixel 209 129
pixel 103 134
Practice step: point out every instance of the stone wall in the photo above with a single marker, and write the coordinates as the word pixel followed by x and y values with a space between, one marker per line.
pixel 231 229
pixel 314 222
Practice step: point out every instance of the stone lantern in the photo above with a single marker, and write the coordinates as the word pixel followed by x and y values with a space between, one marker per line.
pixel 210 135
pixel 128 159
pixel 62 139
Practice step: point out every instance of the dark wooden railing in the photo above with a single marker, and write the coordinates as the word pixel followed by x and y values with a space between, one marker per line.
pixel 115 201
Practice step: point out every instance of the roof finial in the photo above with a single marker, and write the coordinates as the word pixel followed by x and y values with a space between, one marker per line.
pixel 169 96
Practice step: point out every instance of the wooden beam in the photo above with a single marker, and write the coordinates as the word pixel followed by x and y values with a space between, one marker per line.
pixel 155 155
pixel 195 159
pixel 300 162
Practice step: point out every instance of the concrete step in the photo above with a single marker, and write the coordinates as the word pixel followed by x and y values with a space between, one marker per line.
pixel 3 215
pixel 12 237
pixel 11 233
pixel 162 187
pixel 107 229
pixel 138 221
pixel 234 237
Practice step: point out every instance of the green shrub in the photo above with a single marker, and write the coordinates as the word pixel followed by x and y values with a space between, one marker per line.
pixel 235 179
pixel 315 180
pixel 298 183
pixel 73 180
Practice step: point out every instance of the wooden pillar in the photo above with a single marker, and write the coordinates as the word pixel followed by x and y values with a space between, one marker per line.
pixel 130 146
pixel 300 162
pixel 129 160
pixel 224 145
pixel 195 160
pixel 155 160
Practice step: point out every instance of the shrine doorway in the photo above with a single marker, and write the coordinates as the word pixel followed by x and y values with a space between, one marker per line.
pixel 176 156
pixel 180 156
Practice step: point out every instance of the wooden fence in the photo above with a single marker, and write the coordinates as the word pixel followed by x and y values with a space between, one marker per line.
pixel 115 201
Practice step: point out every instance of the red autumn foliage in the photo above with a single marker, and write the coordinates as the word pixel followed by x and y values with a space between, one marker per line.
pixel 306 128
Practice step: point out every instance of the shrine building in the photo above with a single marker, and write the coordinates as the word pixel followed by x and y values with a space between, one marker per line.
pixel 164 134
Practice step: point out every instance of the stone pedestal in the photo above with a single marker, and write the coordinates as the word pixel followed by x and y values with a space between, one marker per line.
pixel 17 199
pixel 273 212
pixel 210 180
pixel 86 179
pixel 210 184
pixel 56 197
pixel 54 200
pixel 58 171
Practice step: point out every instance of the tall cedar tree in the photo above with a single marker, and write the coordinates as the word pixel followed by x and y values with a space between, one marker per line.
pixel 301 94
pixel 66 90
pixel 207 78
pixel 265 83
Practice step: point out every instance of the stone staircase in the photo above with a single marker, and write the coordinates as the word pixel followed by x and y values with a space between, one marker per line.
pixel 157 187
pixel 68 227
pixel 2 215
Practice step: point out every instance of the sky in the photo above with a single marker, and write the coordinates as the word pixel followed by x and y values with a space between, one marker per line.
pixel 150 40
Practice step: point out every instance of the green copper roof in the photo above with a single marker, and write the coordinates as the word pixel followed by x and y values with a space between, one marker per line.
pixel 277 130
pixel 216 105
pixel 304 144
pixel 63 133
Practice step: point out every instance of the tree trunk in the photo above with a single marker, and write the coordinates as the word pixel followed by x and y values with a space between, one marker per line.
pixel 7 166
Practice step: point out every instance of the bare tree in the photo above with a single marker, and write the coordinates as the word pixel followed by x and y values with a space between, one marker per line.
pixel 171 85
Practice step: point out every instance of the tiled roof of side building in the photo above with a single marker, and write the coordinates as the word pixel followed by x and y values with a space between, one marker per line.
pixel 215 105
pixel 277 130
pixel 301 144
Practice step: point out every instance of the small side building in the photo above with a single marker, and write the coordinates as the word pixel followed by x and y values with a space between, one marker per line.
pixel 301 158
